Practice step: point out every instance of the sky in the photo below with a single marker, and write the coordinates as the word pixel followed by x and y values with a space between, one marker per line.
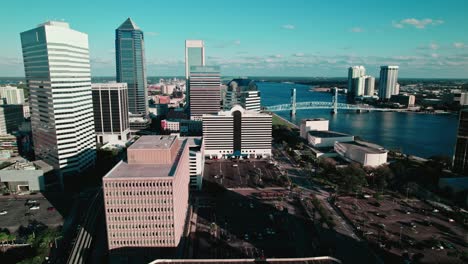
pixel 306 38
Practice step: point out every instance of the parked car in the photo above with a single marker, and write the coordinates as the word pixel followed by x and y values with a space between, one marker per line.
pixel 35 207
pixel 4 212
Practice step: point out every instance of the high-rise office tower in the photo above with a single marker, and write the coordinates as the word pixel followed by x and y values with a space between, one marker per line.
pixel 130 62
pixel 12 95
pixel 354 72
pixel 204 91
pixel 146 196
pixel 243 92
pixel 11 117
pixel 237 132
pixel 194 55
pixel 369 89
pixel 388 82
pixel 110 102
pixel 460 160
pixel 56 64
pixel 359 85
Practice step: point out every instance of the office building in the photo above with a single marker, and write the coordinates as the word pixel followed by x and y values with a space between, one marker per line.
pixel 204 91
pixel 326 139
pixel 130 65
pixel 388 82
pixel 243 92
pixel 194 55
pixel 60 97
pixel 196 162
pixel 237 133
pixel 12 95
pixel 146 196
pixel 110 103
pixel 11 117
pixel 25 176
pixel 363 153
pixel 315 124
pixel 354 72
pixel 369 86
pixel 460 160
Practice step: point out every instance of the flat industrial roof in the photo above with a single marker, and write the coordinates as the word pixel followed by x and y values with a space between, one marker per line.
pixel 327 134
pixel 367 149
pixel 125 170
pixel 153 142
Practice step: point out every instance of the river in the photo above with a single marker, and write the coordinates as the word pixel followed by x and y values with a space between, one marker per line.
pixel 417 134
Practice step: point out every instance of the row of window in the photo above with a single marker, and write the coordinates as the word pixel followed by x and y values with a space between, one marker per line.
pixel 136 201
pixel 141 242
pixel 140 226
pixel 144 234
pixel 138 184
pixel 138 193
pixel 140 210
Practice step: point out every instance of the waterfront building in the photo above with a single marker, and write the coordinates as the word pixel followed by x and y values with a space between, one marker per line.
pixel 354 72
pixel 315 124
pixel 204 91
pixel 12 95
pixel 110 103
pixel 359 85
pixel 388 82
pixel 146 196
pixel 57 68
pixel 361 152
pixel 403 99
pixel 11 117
pixel 243 92
pixel 326 139
pixel 237 133
pixel 460 160
pixel 369 87
pixel 194 55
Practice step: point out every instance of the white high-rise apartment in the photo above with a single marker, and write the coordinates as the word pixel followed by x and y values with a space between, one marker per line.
pixel 369 86
pixel 354 72
pixel 388 83
pixel 57 68
pixel 194 55
pixel 359 85
pixel 12 95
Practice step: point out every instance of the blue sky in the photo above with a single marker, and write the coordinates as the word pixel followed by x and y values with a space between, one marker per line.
pixel 261 38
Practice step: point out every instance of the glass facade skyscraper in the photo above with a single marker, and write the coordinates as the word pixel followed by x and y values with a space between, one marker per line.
pixel 194 55
pixel 130 65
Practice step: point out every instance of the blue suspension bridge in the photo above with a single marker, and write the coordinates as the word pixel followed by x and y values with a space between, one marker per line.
pixel 334 105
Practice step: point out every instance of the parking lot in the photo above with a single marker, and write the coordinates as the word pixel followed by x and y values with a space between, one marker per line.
pixel 245 224
pixel 397 226
pixel 241 173
pixel 18 212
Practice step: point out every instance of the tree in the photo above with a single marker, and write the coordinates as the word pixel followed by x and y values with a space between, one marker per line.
pixel 351 178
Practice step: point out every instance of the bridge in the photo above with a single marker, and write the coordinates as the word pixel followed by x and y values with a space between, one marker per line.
pixel 334 105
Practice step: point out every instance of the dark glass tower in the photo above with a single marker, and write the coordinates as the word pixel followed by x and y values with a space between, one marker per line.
pixel 130 60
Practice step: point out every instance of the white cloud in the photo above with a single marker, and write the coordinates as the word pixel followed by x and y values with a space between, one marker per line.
pixel 299 54
pixel 459 45
pixel 288 26
pixel 276 56
pixel 152 34
pixel 417 23
pixel 433 46
pixel 435 55
pixel 357 30
pixel 237 42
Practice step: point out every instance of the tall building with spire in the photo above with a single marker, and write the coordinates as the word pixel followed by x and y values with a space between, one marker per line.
pixel 57 68
pixel 130 65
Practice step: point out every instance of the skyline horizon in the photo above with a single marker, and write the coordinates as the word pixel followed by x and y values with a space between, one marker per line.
pixel 297 38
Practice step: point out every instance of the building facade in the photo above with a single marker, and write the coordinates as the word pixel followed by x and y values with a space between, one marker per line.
pixel 362 154
pixel 130 65
pixel 237 133
pixel 243 92
pixel 319 124
pixel 57 68
pixel 146 197
pixel 369 87
pixel 11 117
pixel 354 72
pixel 460 159
pixel 359 85
pixel 326 139
pixel 12 95
pixel 110 104
pixel 388 82
pixel 204 91
pixel 194 55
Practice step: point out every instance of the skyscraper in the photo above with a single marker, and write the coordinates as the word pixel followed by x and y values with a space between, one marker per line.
pixel 194 55
pixel 204 91
pixel 359 84
pixel 110 102
pixel 243 92
pixel 388 82
pixel 130 62
pixel 354 72
pixel 12 95
pixel 460 160
pixel 369 86
pixel 56 64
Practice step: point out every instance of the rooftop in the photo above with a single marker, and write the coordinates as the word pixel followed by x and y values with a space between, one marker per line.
pixel 129 25
pixel 55 24
pixel 327 134
pixel 110 85
pixel 366 148
pixel 314 119
pixel 154 142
